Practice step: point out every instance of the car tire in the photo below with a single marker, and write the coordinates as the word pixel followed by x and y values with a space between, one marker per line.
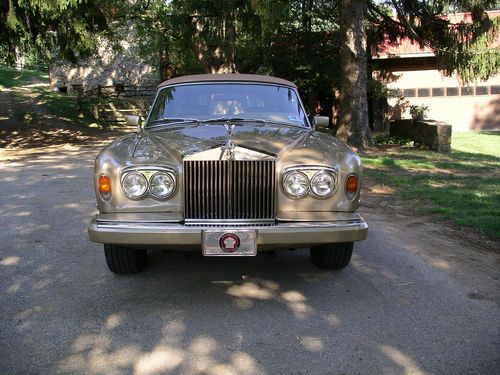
pixel 332 256
pixel 124 260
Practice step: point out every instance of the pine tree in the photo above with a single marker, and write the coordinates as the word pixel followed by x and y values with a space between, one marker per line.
pixel 65 27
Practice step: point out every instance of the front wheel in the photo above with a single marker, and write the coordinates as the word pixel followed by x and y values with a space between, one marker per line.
pixel 332 256
pixel 124 260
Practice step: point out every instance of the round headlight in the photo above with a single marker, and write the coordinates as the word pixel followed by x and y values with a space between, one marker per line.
pixel 134 184
pixel 162 185
pixel 296 184
pixel 323 184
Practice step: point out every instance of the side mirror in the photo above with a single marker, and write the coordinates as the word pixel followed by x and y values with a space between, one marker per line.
pixel 133 120
pixel 321 122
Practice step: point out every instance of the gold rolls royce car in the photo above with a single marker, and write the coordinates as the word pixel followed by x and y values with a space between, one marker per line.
pixel 229 165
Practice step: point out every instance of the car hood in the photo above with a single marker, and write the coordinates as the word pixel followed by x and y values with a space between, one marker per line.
pixel 178 141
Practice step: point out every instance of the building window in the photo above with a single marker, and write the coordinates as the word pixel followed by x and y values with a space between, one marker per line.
pixel 409 93
pixel 451 91
pixel 495 89
pixel 466 91
pixel 423 92
pixel 482 90
pixel 438 91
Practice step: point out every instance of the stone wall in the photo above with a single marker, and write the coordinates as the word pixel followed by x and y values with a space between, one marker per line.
pixel 112 65
pixel 434 134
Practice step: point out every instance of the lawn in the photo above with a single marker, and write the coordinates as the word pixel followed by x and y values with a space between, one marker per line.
pixel 463 187
pixel 10 78
pixel 36 84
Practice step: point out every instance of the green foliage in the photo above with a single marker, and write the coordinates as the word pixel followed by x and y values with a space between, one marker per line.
pixel 462 46
pixel 249 36
pixel 386 140
pixel 419 112
pixel 41 28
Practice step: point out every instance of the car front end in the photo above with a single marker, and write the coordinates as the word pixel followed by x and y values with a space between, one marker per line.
pixel 231 185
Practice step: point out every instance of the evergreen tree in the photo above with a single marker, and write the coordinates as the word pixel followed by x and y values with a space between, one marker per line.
pixel 462 46
pixel 65 27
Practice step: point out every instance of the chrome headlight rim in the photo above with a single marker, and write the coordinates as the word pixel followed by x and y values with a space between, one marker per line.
pixel 134 197
pixel 291 173
pixel 335 183
pixel 166 173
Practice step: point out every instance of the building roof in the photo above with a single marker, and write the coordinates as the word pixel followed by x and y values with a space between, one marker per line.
pixel 227 78
pixel 404 47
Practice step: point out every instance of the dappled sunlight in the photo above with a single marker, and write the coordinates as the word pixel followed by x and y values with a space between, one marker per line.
pixel 31 116
pixel 312 344
pixel 10 261
pixel 369 268
pixel 162 359
pixel 25 314
pixel 458 187
pixel 434 261
pixel 96 354
pixel 90 353
pixel 246 292
pixel 407 364
pixel 250 290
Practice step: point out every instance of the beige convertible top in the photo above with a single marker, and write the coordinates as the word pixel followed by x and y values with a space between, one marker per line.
pixel 227 78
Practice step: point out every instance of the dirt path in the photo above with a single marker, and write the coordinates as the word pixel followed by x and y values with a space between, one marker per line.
pixel 26 123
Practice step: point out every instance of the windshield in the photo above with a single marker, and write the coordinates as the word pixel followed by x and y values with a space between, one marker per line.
pixel 269 103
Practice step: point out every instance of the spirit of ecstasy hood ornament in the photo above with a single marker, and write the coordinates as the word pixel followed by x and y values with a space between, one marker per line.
pixel 228 148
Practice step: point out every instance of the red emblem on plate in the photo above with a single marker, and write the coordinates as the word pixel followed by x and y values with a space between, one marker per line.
pixel 229 242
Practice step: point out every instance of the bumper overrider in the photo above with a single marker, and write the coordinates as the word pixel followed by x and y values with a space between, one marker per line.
pixel 147 230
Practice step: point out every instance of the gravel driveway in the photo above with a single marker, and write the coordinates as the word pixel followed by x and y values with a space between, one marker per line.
pixel 407 304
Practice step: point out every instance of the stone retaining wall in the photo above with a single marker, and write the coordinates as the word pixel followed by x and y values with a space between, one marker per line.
pixel 434 134
pixel 109 66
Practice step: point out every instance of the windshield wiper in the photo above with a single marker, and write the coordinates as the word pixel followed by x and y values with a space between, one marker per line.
pixel 170 121
pixel 246 119
pixel 232 120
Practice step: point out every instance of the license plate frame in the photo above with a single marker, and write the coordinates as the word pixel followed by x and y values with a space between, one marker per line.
pixel 211 245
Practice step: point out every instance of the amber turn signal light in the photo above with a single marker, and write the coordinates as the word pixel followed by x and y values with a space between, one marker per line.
pixel 351 184
pixel 104 184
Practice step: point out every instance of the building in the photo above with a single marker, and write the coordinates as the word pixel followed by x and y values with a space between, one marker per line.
pixel 411 74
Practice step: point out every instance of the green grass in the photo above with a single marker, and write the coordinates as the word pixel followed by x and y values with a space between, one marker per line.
pixel 463 187
pixel 60 105
pixel 10 78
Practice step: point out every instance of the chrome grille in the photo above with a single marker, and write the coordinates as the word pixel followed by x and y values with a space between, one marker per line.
pixel 229 189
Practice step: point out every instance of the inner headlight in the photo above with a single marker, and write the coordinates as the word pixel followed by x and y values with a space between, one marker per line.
pixel 323 184
pixel 296 184
pixel 162 185
pixel 134 184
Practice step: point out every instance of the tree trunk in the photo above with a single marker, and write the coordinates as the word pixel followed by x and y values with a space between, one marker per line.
pixel 167 71
pixel 229 43
pixel 353 127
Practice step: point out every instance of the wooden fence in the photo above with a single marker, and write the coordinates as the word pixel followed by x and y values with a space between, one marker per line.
pixel 114 91
pixel 98 93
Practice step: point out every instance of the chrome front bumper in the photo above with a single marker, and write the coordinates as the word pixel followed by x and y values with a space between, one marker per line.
pixel 280 234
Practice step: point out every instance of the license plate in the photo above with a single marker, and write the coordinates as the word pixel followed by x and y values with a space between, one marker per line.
pixel 229 242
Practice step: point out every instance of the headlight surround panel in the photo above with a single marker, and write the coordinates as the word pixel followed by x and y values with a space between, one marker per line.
pixel 311 173
pixel 149 173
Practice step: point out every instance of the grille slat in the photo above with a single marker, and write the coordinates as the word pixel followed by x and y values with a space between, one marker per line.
pixel 229 189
